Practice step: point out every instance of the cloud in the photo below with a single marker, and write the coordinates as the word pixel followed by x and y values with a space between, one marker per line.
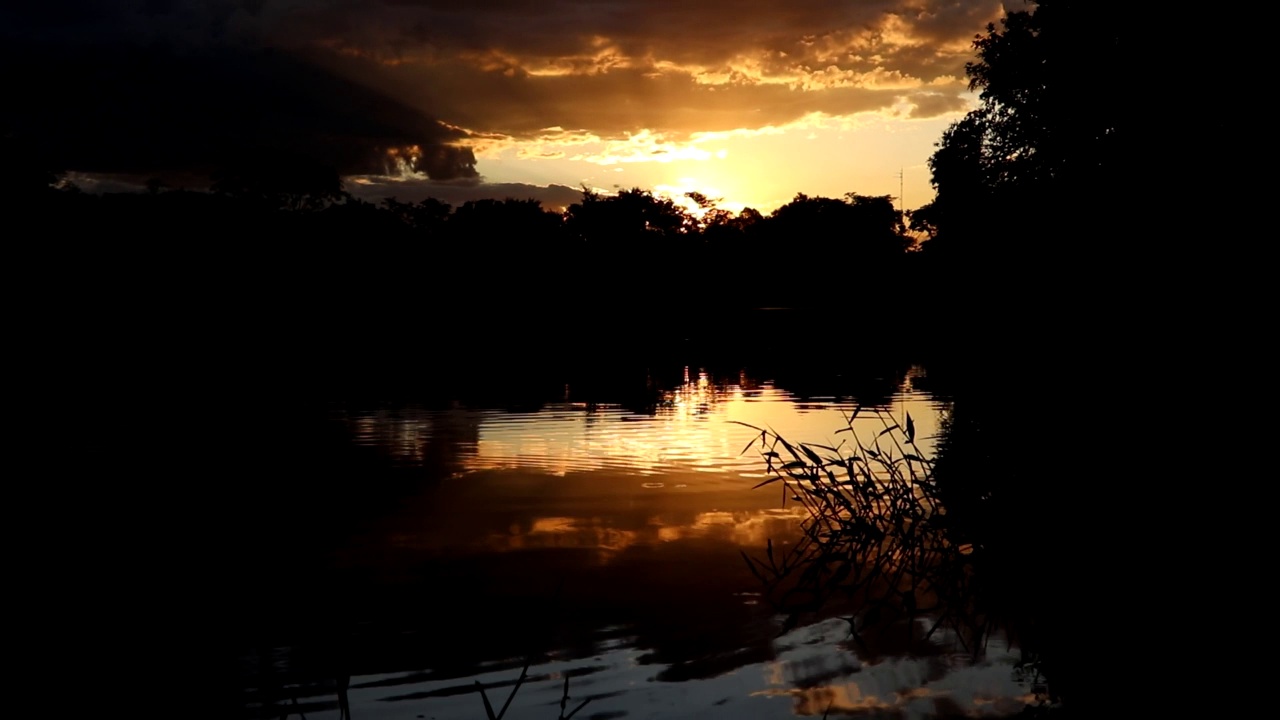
pixel 147 84
pixel 610 69
pixel 374 188
pixel 625 101
pixel 645 146
pixel 109 98
pixel 702 33
pixel 931 104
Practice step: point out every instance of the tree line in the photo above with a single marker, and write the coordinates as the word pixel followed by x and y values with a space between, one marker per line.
pixel 630 243
pixel 1027 187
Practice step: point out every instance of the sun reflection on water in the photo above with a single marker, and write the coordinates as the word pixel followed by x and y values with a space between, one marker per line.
pixel 693 427
pixel 645 513
pixel 743 528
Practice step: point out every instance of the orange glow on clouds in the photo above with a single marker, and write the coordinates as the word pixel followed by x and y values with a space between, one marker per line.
pixel 759 105
pixel 761 167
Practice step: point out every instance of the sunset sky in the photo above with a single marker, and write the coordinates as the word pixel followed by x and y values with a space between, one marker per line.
pixel 751 101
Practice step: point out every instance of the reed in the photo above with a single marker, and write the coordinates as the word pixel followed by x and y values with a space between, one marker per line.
pixel 524 673
pixel 877 535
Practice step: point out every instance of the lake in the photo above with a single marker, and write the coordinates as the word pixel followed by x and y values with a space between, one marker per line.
pixel 595 532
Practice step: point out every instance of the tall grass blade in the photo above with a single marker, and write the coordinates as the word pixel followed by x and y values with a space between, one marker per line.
pixel 575 710
pixel 519 681
pixel 488 709
pixel 813 456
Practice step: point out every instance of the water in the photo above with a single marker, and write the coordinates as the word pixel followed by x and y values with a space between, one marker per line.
pixel 602 544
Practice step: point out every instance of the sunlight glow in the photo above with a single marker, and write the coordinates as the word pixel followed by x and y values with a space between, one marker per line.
pixel 646 146
pixel 760 167
pixel 694 428
pixel 403 161
pixel 678 194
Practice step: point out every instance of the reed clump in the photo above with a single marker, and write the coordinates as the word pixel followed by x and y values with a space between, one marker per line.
pixel 877 539
pixel 524 674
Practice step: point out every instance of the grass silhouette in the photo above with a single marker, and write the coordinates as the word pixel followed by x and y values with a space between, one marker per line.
pixel 878 539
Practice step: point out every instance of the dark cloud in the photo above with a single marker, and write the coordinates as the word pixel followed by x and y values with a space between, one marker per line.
pixel 927 105
pixel 949 21
pixel 622 101
pixel 374 189
pixel 151 86
pixel 105 102
pixel 707 33
pixel 185 23
pixel 670 29
pixel 623 65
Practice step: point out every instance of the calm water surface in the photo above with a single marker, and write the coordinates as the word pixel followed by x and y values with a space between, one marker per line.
pixel 602 544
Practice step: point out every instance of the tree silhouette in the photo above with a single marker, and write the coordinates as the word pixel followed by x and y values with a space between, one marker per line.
pixel 712 215
pixel 427 216
pixel 1023 235
pixel 26 172
pixel 859 233
pixel 288 183
pixel 1043 149
pixel 625 219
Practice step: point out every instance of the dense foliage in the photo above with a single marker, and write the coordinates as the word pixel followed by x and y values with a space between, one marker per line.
pixel 1042 156
pixel 631 241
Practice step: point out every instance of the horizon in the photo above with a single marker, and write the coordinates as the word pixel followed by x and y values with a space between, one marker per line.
pixel 748 104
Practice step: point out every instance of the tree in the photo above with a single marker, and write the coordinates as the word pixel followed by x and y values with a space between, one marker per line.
pixel 712 216
pixel 629 216
pixel 1049 110
pixel 287 182
pixel 1044 147
pixel 1025 218
pixel 26 174
pixel 861 234
pixel 427 216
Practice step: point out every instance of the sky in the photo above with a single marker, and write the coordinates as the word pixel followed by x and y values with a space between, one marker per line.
pixel 748 101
